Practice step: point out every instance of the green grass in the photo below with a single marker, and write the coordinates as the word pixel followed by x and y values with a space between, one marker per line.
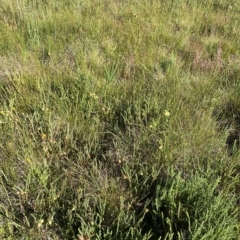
pixel 115 119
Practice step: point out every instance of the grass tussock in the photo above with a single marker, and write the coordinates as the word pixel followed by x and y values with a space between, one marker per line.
pixel 119 120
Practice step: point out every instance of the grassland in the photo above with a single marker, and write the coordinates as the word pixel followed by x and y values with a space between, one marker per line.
pixel 119 119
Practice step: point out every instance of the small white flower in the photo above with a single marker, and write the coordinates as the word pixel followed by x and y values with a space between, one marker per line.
pixel 40 222
pixel 94 96
pixel 166 113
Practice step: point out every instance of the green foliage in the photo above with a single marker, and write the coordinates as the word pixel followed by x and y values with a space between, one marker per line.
pixel 119 120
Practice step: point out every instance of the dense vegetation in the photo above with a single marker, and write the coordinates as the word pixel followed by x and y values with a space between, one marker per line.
pixel 119 119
